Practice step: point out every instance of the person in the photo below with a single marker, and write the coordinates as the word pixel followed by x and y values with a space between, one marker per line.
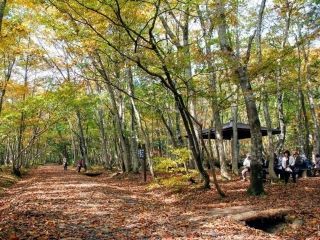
pixel 65 163
pixel 246 165
pixel 277 165
pixel 81 164
pixel 288 163
pixel 299 163
pixel 317 165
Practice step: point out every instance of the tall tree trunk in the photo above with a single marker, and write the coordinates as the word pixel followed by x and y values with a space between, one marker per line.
pixel 134 133
pixel 234 107
pixel 280 92
pixel 304 118
pixel 256 179
pixel 282 125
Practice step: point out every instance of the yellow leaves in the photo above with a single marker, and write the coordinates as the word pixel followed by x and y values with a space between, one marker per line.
pixel 15 90
pixel 22 3
pixel 137 13
pixel 90 45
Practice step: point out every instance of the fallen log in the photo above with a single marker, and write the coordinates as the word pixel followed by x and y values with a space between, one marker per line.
pixel 264 214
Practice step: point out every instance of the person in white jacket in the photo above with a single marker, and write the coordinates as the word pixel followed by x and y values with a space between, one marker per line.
pixel 246 165
pixel 288 165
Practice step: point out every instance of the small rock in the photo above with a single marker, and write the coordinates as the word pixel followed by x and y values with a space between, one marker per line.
pixel 297 223
pixel 290 218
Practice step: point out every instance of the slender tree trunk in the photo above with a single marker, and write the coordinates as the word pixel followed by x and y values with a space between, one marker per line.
pixel 82 140
pixel 134 133
pixel 304 118
pixel 282 125
pixel 73 142
pixel 234 108
pixel 103 139
pixel 235 141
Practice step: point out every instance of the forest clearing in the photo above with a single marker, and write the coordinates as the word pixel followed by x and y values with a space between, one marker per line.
pixel 159 119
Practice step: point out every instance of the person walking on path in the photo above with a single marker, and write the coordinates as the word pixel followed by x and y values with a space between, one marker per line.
pixel 65 163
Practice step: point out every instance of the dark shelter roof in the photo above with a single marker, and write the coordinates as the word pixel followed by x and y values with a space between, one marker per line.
pixel 243 131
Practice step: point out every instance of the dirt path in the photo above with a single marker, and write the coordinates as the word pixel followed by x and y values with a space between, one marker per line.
pixel 53 204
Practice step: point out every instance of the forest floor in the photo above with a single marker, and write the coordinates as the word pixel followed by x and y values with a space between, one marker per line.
pixel 53 204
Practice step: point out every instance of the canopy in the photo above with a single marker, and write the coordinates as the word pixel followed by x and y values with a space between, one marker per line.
pixel 243 131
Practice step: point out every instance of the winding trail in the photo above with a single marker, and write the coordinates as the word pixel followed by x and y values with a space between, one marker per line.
pixel 55 204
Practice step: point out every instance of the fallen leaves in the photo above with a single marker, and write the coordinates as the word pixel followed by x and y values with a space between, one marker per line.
pixel 54 204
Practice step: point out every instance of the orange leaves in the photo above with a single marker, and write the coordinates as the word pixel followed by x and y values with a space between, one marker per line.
pixel 13 237
pixel 57 204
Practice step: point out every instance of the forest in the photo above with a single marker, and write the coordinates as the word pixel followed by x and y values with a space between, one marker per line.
pixel 131 88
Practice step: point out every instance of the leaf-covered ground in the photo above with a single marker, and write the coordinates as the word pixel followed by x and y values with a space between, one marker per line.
pixel 53 204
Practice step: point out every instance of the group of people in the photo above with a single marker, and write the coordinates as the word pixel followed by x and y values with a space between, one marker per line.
pixel 286 165
pixel 80 164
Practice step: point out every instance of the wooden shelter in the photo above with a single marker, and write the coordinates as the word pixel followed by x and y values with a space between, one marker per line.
pixel 242 128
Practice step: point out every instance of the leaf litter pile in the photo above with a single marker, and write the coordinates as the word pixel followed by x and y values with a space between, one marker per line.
pixel 53 204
